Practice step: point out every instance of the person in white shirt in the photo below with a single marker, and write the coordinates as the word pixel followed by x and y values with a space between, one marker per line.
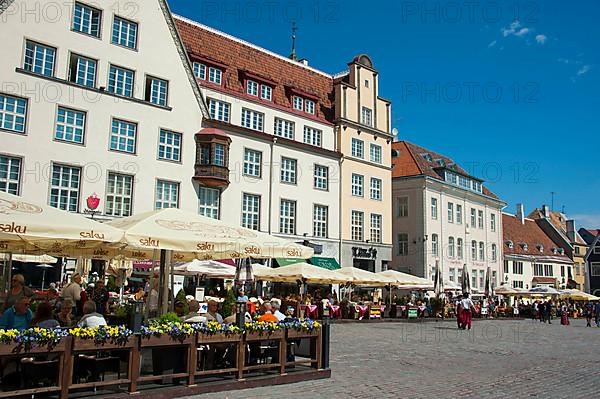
pixel 90 317
pixel 193 316
pixel 276 305
pixel 467 310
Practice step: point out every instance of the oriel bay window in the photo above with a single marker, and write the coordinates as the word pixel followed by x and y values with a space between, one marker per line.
pixel 212 158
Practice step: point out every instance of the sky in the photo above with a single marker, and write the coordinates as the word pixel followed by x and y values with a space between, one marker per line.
pixel 508 89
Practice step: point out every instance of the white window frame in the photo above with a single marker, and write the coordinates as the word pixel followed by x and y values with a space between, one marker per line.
pixel 122 31
pixel 481 251
pixel 287 217
pixel 169 145
pixel 366 116
pixel 459 248
pixel 450 212
pixel 357 185
pixel 473 250
pixel 376 228
pixel 289 170
pixel 166 194
pixel 219 110
pixel 13 113
pixel 494 253
pixel 266 92
pixel 251 211
pixel 313 136
pixel 36 58
pixel 320 221
pixel 73 123
pixel 375 153
pixel 376 188
pixel 459 213
pixel 252 88
pixel 358 148
pixel 298 103
pixel 493 222
pixel 309 106
pixel 284 128
pixel 402 209
pixel 252 166
pixel 10 174
pixel 68 191
pixel 253 120
pixel 321 177
pixel 119 195
pixel 480 223
pixel 84 72
pixel 435 245
pixel 474 278
pixel 451 247
pixel 473 217
pixel 357 225
pixel 121 81
pixel 215 75
pixel 209 202
pixel 402 244
pixel 120 131
pixel 157 90
pixel 434 208
pixel 87 14
pixel 199 70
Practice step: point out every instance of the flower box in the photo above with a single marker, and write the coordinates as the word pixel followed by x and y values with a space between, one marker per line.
pixel 296 334
pixel 218 338
pixel 83 344
pixel 15 349
pixel 165 340
pixel 264 335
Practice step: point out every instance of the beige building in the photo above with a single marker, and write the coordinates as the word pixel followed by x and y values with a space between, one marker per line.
pixel 363 123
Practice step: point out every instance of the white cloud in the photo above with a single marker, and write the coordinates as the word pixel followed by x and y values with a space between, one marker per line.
pixel 522 32
pixel 492 44
pixel 564 60
pixel 587 220
pixel 583 70
pixel 541 39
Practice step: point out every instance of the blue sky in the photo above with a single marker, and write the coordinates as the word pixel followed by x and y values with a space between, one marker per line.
pixel 508 89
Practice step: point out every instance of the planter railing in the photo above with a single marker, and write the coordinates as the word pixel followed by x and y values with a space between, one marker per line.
pixel 70 348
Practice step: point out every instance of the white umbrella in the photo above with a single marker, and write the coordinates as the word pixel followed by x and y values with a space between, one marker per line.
pixel 542 290
pixel 45 267
pixel 404 279
pixel 208 268
pixel 305 272
pixel 358 276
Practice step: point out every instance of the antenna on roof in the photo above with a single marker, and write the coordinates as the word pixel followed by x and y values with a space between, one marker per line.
pixel 293 55
pixel 552 204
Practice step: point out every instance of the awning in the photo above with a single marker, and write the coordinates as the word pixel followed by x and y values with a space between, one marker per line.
pixel 544 280
pixel 325 263
pixel 288 261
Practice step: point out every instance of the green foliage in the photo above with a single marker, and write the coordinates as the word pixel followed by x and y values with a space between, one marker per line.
pixel 111 285
pixel 229 303
pixel 181 298
pixel 123 311
pixel 170 317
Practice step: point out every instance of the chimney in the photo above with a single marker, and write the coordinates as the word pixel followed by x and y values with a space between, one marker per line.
pixel 304 61
pixel 571 230
pixel 521 213
pixel 546 211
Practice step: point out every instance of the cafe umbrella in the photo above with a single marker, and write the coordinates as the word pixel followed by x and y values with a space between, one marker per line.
pixel 489 292
pixel 466 281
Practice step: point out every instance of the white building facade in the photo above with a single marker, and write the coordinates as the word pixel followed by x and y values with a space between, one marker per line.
pixel 442 216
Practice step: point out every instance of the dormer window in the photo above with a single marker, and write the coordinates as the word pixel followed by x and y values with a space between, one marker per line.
pixel 554 251
pixel 540 248
pixel 210 73
pixel 427 157
pixel 214 75
pixel 199 70
pixel 298 103
pixel 509 244
pixel 440 162
pixel 525 247
pixel 266 92
pixel 309 106
pixel 252 88
pixel 561 251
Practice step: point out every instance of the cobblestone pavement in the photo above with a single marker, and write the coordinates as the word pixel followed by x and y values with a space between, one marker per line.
pixel 497 359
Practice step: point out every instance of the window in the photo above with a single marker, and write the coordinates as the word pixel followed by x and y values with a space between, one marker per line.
pixel 266 92
pixel 366 116
pixel 251 211
pixel 321 177
pixel 357 185
pixel 434 244
pixel 474 278
pixel 366 83
pixel 312 136
pixel 403 207
pixel 123 136
pixel 459 248
pixel 375 153
pixel 167 195
pixel 473 213
pixel 169 146
pixel 64 187
pixel 120 81
pixel 320 214
pixel 287 217
pixel 538 270
pixel 298 103
pixel 252 162
pixel 597 249
pixel 358 148
pixel 494 253
pixel 82 70
pixel 480 219
pixel 402 244
pixel 208 199
pixel 124 33
pixel 548 270
pixel 375 228
pixel 493 222
pixel 219 155
pixel 451 247
pixel 119 189
pixel 219 110
pixel 10 174
pixel 505 266
pixel 214 75
pixel 39 58
pixel 357 225
pixel 375 189
pixel 434 208
pixel 562 271
pixel 157 91
pixel 517 284
pixel 481 279
pixel 595 269
pixel 576 250
pixel 87 20
pixel 450 212
pixel 284 128
pixel 458 214
pixel 473 250
pixel 288 170
pixel 70 125
pixel 252 88
pixel 481 251
pixel 452 275
pixel 252 119
pixel 199 70
pixel 309 106
pixel 13 113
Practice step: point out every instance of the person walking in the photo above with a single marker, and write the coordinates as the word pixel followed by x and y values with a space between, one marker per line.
pixel 564 314
pixel 548 311
pixel 467 311
pixel 542 311
pixel 588 311
pixel 597 313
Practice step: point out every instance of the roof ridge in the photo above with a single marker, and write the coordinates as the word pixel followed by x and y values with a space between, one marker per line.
pixel 254 46
pixel 406 144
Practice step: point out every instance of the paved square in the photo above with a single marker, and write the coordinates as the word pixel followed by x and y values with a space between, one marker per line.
pixel 497 359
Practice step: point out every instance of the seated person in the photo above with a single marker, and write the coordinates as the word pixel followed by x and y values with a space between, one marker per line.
pixel 193 316
pixel 232 319
pixel 267 314
pixel 64 315
pixel 18 316
pixel 90 317
pixel 43 317
pixel 276 305
pixel 212 314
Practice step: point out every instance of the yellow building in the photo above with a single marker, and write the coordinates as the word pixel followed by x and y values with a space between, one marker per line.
pixel 363 123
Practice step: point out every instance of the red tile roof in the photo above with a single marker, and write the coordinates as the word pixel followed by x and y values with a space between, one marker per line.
pixel 241 59
pixel 528 233
pixel 410 162
pixel 559 221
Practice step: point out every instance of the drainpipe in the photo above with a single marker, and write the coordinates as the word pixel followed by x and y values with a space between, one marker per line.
pixel 341 210
pixel 273 142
